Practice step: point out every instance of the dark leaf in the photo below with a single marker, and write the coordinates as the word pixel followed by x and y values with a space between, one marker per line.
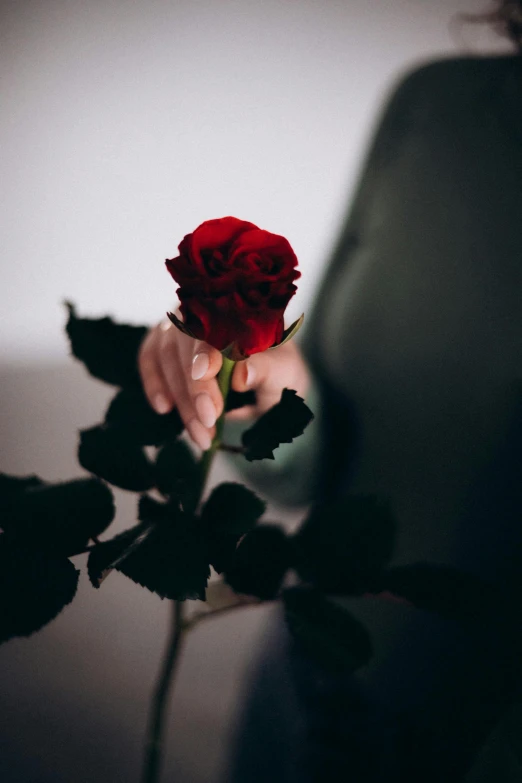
pixel 166 553
pixel 178 473
pixel 151 511
pixel 342 546
pixel 221 550
pixel 281 424
pixel 329 634
pixel 260 562
pixel 443 589
pixel 107 555
pixel 239 399
pixel 109 454
pixel 109 350
pixel 232 509
pixel 13 487
pixel 131 413
pixel 60 518
pixel 34 588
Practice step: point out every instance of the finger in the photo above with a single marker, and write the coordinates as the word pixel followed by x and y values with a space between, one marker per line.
pixel 201 360
pixel 243 376
pixel 205 360
pixel 269 372
pixel 154 385
pixel 265 374
pixel 175 367
pixel 173 371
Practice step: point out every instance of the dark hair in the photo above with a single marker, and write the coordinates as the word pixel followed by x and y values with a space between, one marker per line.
pixel 506 18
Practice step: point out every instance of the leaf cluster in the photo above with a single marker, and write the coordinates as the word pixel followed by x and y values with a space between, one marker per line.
pixel 343 548
pixel 172 547
pixel 170 550
pixel 43 526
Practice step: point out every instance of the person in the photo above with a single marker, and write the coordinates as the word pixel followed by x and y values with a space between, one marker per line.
pixel 412 361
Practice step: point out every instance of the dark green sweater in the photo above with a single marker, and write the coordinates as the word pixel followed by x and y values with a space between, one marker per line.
pixel 415 339
pixel 415 342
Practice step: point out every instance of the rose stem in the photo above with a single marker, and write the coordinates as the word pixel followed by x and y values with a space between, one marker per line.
pixel 155 731
pixel 156 726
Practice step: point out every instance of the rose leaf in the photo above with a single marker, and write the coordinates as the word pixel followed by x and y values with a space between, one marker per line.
pixel 221 550
pixel 107 555
pixel 281 424
pixel 177 474
pixel 232 509
pixel 13 487
pixel 342 546
pixel 34 588
pixel 108 453
pixel 166 553
pixel 59 518
pixel 109 350
pixel 260 562
pixel 230 512
pixel 131 413
pixel 329 634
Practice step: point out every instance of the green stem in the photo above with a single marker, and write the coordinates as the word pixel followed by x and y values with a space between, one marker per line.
pixel 156 728
pixel 151 767
pixel 224 378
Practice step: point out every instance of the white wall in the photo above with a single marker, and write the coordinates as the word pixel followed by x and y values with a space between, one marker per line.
pixel 126 123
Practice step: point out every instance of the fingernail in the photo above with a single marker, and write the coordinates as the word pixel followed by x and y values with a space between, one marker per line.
pixel 161 404
pixel 200 364
pixel 206 410
pixel 199 434
pixel 250 376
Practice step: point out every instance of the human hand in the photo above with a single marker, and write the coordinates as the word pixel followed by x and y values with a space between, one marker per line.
pixel 178 371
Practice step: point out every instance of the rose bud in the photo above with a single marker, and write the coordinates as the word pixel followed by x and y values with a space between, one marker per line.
pixel 235 281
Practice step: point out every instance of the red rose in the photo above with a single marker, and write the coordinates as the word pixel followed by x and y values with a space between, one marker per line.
pixel 235 281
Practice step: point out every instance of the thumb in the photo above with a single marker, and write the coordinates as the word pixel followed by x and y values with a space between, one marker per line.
pixel 269 372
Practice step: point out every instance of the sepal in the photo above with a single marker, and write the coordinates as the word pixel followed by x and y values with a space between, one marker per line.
pixel 233 353
pixel 180 325
pixel 290 332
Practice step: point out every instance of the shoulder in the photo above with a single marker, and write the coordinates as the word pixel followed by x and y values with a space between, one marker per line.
pixel 452 76
pixel 432 91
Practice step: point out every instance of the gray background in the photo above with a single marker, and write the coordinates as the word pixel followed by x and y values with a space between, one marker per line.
pixel 124 125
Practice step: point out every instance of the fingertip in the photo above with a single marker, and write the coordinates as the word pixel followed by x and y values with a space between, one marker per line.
pixel 216 361
pixel 250 374
pixel 200 365
pixel 201 435
pixel 239 377
pixel 206 362
pixel 161 404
